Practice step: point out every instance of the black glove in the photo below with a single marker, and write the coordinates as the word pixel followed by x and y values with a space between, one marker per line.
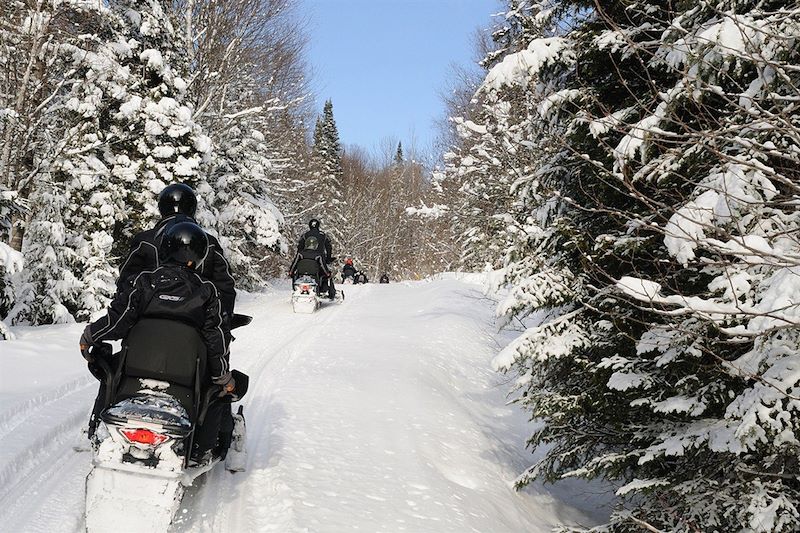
pixel 86 344
pixel 227 382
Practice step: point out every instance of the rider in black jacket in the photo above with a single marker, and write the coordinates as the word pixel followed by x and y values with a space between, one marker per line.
pixel 178 203
pixel 172 291
pixel 323 251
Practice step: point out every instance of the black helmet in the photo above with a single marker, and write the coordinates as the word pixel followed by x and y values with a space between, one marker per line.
pixel 184 243
pixel 313 223
pixel 177 198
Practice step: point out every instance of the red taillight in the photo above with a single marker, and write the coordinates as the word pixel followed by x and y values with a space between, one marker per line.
pixel 144 436
pixel 305 288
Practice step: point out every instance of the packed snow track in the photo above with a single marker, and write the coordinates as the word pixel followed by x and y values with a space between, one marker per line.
pixel 377 414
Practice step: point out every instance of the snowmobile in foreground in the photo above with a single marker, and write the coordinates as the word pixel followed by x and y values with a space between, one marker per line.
pixel 307 295
pixel 155 397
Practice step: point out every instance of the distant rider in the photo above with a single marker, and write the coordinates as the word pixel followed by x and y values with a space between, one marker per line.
pixel 172 291
pixel 348 271
pixel 315 244
pixel 384 278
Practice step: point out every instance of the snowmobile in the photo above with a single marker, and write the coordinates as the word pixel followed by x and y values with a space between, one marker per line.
pixel 348 279
pixel 155 397
pixel 307 287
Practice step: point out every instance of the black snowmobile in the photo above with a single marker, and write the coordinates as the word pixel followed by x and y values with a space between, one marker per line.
pixel 156 394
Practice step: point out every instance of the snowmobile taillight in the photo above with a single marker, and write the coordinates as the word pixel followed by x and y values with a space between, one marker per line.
pixel 143 436
pixel 304 289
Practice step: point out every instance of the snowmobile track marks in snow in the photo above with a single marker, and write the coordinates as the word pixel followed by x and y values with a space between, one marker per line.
pixel 241 508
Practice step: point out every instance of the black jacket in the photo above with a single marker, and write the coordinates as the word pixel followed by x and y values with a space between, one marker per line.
pixel 324 247
pixel 144 256
pixel 348 270
pixel 171 292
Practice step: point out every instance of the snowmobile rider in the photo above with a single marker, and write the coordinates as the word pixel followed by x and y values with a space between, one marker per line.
pixel 315 244
pixel 384 278
pixel 348 271
pixel 178 203
pixel 174 291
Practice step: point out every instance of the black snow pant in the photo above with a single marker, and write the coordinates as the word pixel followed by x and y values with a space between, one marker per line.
pixel 206 435
pixel 327 286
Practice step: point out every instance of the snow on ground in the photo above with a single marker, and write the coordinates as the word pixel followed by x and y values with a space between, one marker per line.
pixel 379 414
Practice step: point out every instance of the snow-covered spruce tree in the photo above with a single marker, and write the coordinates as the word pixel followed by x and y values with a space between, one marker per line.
pixel 157 131
pixel 248 222
pixel 493 152
pixel 130 135
pixel 661 253
pixel 10 259
pixel 326 170
pixel 48 290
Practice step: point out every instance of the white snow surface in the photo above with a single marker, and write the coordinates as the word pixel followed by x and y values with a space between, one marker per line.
pixel 378 414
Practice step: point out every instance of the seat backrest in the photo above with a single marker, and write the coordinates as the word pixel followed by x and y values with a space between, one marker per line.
pixel 165 350
pixel 308 267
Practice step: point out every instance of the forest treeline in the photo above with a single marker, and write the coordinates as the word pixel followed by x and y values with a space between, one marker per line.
pixel 628 170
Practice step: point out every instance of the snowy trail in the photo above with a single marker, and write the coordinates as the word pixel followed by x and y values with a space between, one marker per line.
pixel 379 414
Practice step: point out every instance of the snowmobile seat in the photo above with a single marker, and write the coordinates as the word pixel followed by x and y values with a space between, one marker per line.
pixel 164 350
pixel 167 351
pixel 308 267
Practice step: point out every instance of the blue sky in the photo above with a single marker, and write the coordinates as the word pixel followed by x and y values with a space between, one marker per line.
pixel 384 62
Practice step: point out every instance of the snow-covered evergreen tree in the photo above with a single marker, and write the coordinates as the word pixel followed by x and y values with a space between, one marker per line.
pixel 326 168
pixel 248 222
pixel 131 134
pixel 10 260
pixel 655 242
pixel 49 291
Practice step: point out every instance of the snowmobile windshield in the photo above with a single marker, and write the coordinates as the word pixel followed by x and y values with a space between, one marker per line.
pixel 312 243
pixel 152 407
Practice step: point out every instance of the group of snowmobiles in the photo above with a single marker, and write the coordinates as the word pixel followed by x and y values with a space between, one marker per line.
pixel 162 416
pixel 312 277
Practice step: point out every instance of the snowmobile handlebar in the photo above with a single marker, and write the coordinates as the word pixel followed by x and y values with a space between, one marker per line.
pixel 239 321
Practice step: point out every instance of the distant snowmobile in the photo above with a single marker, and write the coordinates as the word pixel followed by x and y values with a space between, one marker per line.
pixel 384 278
pixel 361 278
pixel 307 287
pixel 155 396
pixel 348 272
